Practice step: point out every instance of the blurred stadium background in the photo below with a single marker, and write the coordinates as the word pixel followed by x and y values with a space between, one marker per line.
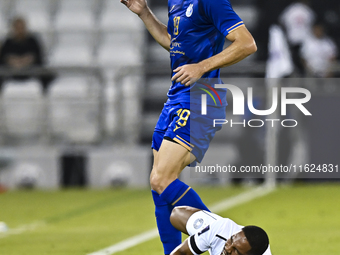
pixel 93 129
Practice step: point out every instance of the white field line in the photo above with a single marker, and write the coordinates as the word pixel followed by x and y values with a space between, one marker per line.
pixel 22 229
pixel 242 198
pixel 216 208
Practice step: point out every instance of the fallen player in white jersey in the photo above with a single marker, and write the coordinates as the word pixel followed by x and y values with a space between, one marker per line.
pixel 220 236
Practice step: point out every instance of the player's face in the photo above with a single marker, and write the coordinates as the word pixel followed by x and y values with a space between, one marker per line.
pixel 237 245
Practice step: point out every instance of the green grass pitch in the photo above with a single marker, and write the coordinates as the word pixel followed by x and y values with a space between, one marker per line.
pixel 300 219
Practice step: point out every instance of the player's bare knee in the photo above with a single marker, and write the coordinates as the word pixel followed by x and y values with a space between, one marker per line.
pixel 154 183
pixel 157 182
pixel 160 179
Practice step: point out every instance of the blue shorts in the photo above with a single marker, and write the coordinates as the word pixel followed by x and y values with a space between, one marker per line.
pixel 186 126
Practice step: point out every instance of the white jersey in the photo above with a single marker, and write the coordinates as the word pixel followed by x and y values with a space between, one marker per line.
pixel 209 232
pixel 318 53
pixel 297 19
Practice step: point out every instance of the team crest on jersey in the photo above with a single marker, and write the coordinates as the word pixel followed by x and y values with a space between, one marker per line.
pixel 190 10
pixel 198 223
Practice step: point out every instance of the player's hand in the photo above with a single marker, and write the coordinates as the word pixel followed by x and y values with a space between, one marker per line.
pixel 188 74
pixel 136 6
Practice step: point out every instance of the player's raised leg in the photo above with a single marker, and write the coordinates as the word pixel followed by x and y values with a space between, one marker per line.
pixel 171 159
pixel 168 191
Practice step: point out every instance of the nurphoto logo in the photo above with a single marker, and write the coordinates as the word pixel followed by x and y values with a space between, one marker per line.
pixel 239 105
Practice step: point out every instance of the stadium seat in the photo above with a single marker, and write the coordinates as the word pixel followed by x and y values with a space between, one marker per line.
pixel 115 16
pixel 36 12
pixel 70 87
pixel 4 7
pixel 22 108
pixel 22 89
pixel 119 49
pixel 75 15
pixel 72 49
pixel 73 112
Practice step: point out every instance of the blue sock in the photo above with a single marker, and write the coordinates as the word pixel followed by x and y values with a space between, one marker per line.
pixel 180 194
pixel 170 236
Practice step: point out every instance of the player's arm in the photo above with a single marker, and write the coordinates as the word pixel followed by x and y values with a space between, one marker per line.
pixel 156 28
pixel 182 249
pixel 243 45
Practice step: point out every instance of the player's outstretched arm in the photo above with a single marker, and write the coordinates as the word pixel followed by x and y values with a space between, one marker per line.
pixel 156 28
pixel 242 46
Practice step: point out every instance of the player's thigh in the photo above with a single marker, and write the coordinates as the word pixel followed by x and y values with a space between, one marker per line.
pixel 168 163
pixel 194 131
pixel 173 152
pixel 170 160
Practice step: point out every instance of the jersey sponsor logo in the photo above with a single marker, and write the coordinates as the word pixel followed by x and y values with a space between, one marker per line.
pixel 190 10
pixel 198 223
pixel 174 44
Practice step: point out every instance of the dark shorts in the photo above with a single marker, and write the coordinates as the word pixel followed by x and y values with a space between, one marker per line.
pixel 185 125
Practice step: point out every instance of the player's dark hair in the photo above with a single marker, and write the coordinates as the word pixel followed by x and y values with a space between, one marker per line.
pixel 257 238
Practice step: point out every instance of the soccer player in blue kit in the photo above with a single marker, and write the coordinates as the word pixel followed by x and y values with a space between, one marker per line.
pixel 194 36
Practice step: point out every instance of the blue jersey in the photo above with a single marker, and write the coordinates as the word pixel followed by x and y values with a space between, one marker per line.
pixel 198 29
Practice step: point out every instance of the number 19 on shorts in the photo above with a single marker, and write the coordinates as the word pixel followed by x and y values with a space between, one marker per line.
pixel 183 115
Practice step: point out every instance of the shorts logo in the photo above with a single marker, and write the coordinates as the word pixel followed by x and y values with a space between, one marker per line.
pixel 198 223
pixel 189 10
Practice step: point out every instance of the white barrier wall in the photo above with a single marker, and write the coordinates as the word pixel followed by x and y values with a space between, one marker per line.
pixel 126 166
pixel 105 167
pixel 31 166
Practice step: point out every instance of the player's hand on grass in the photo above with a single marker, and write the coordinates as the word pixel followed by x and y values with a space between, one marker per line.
pixel 136 6
pixel 188 74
